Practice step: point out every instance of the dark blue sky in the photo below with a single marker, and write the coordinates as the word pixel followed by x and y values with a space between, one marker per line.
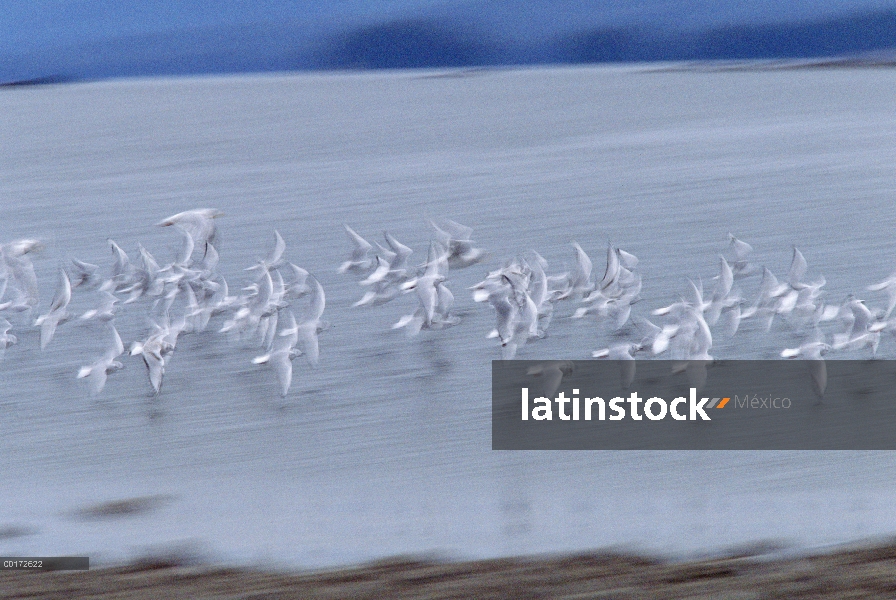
pixel 100 38
pixel 27 25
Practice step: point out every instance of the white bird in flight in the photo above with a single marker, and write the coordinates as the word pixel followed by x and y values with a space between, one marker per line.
pixel 99 371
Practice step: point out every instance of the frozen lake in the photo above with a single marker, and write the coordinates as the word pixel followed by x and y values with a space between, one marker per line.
pixel 385 447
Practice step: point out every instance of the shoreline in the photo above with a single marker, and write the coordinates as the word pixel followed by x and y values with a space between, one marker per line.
pixel 861 571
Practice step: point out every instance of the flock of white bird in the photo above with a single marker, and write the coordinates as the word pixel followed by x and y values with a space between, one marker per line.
pixel 523 296
pixel 184 295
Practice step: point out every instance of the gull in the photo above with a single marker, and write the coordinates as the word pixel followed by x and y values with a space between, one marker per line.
pixel 20 248
pixel 732 318
pixel 611 274
pixel 680 313
pixel 702 339
pixel 889 286
pixel 209 261
pixel 240 306
pixel 825 312
pixel 443 307
pixel 627 259
pixel 99 371
pixel 312 325
pixel 390 272
pixel 740 266
pixel 282 354
pixel 618 351
pixel 527 311
pixel 359 261
pixel 539 292
pixel 105 311
pixel 813 352
pixel 697 301
pixel 171 331
pixel 221 301
pixel 267 329
pixel 675 309
pixel 263 305
pixel 663 338
pixel 579 283
pixel 279 288
pixel 809 310
pixel 274 257
pixel 58 312
pixel 146 279
pixel 796 294
pixel 122 270
pixel 6 339
pixel 198 223
pixel 624 354
pixel 810 351
pixel 658 338
pixel 513 269
pixel 720 296
pixel 299 287
pixel 695 370
pixel 690 346
pixel 619 281
pixel 379 272
pixel 83 274
pixel 517 315
pixel 689 341
pixel 766 304
pixel 620 287
pixel 185 256
pixel 498 296
pixel 619 309
pixel 154 351
pixel 20 303
pixel 461 253
pixel 385 282
pixel 413 322
pixel 483 289
pixel 798 267
pixel 18 265
pixel 196 316
pixel 552 373
pixel 398 265
pixel 151 266
pixel 417 321
pixel 865 330
pixel 426 284
pixel 434 296
pixel 384 253
pixel 4 281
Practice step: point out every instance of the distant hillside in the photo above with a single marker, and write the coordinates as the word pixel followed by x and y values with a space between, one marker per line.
pixel 848 35
pixel 406 45
pixel 446 43
pixel 442 40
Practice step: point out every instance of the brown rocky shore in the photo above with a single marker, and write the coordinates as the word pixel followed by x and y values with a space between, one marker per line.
pixel 867 572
